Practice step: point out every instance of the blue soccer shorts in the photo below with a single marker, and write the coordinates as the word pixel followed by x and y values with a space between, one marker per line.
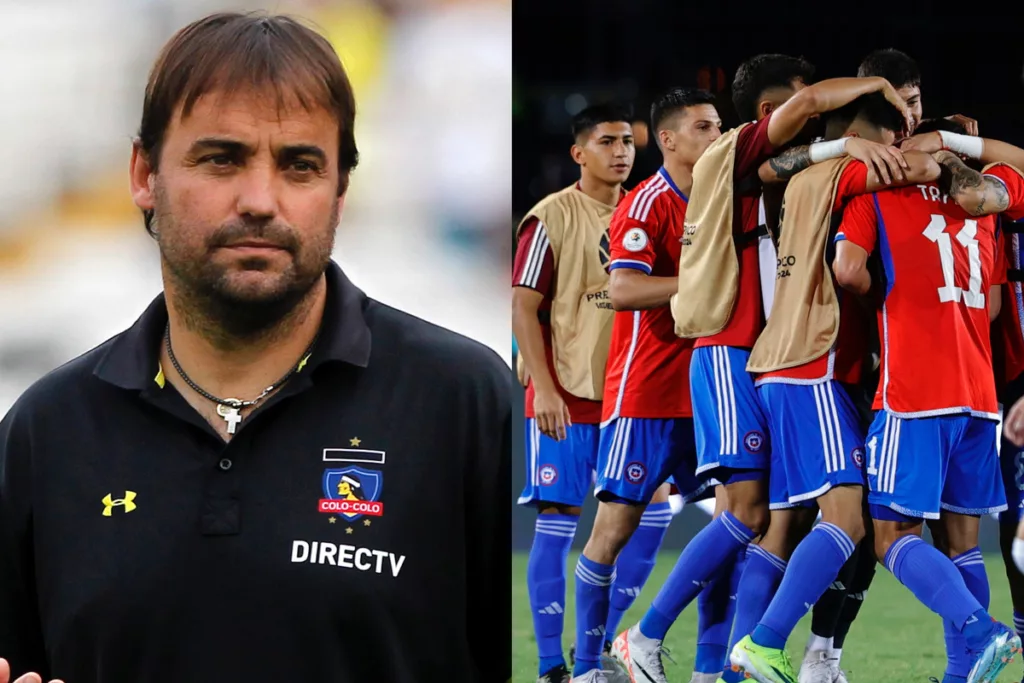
pixel 731 428
pixel 817 442
pixel 639 454
pixel 559 471
pixel 1011 459
pixel 918 467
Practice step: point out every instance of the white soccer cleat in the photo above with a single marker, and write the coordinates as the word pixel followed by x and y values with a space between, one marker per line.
pixel 640 656
pixel 838 675
pixel 816 667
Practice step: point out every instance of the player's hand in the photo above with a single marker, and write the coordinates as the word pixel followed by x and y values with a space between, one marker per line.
pixel 1013 425
pixel 967 122
pixel 5 675
pixel 929 143
pixel 886 162
pixel 551 413
pixel 897 101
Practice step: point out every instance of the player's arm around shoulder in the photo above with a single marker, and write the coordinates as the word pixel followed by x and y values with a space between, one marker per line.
pixel 977 194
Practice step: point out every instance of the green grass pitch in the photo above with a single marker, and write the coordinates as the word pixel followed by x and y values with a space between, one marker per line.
pixel 894 640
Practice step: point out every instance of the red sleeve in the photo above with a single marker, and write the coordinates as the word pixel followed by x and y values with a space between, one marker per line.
pixel 1014 186
pixel 752 149
pixel 860 223
pixel 535 263
pixel 852 182
pixel 634 229
pixel 1000 262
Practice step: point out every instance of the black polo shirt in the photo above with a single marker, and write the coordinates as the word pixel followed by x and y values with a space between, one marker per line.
pixel 355 529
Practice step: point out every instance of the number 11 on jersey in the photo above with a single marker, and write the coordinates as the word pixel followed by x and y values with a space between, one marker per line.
pixel 972 297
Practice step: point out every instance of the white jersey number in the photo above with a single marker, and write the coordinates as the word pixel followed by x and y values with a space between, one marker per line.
pixel 972 297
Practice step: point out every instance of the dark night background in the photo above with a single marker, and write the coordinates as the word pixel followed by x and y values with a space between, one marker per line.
pixel 630 50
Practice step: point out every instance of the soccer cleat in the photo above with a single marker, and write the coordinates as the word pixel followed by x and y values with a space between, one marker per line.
pixel 994 658
pixel 592 676
pixel 763 664
pixel 816 667
pixel 838 675
pixel 639 656
pixel 558 674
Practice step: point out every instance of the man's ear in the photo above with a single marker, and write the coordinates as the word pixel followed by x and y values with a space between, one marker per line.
pixel 576 152
pixel 141 178
pixel 765 108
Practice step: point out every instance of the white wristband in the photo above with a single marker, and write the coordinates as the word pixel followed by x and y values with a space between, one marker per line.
pixel 1018 553
pixel 967 145
pixel 822 151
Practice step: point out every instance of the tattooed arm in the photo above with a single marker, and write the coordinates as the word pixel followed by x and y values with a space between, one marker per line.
pixel 976 194
pixel 783 167
pixel 886 163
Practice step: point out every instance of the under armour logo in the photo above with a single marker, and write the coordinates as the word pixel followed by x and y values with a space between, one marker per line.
pixel 128 502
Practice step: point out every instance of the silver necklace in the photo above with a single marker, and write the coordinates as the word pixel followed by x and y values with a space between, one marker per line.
pixel 230 408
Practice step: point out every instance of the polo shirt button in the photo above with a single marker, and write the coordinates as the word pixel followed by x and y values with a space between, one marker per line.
pixel 224 464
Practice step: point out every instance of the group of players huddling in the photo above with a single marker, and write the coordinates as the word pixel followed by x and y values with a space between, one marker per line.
pixel 660 357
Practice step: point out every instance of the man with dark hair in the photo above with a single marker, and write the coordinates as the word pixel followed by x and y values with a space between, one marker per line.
pixel 646 425
pixel 175 505
pixel 560 299
pixel 804 379
pixel 904 74
pixel 718 302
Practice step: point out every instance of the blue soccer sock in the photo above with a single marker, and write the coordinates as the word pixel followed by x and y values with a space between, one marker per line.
pixel 710 551
pixel 593 584
pixel 636 561
pixel 715 611
pixel 761 579
pixel 545 581
pixel 812 569
pixel 958 659
pixel 938 585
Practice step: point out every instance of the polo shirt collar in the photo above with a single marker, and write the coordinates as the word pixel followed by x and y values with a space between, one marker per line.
pixel 132 359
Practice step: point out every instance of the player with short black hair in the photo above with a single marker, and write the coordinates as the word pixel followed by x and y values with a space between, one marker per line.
pixel 589 118
pixel 647 427
pixel 561 265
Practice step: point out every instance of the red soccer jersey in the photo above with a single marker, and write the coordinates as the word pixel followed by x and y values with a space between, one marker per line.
pixel 844 361
pixel 535 268
pixel 648 367
pixel 1010 324
pixel 938 263
pixel 752 150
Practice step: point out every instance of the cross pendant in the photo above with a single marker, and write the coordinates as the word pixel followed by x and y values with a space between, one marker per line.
pixel 231 415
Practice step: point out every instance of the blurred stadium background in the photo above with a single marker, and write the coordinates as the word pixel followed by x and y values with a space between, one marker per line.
pixel 425 226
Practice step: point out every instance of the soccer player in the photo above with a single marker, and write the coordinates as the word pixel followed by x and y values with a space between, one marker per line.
pixel 999 190
pixel 561 426
pixel 931 448
pixel 731 437
pixel 804 381
pixel 647 427
pixel 905 75
pixel 835 613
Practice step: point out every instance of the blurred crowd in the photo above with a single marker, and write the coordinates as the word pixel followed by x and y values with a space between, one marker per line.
pixel 425 226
